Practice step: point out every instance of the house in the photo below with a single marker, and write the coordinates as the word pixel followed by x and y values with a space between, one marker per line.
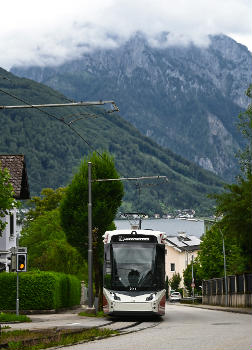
pixel 16 166
pixel 180 250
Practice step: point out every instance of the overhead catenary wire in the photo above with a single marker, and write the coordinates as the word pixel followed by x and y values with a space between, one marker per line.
pixel 69 124
pixel 27 105
pixel 80 115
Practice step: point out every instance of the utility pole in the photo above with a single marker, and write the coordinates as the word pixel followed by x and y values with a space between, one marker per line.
pixel 193 285
pixel 224 261
pixel 225 268
pixel 90 239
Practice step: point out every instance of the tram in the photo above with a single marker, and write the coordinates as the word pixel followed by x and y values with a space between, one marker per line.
pixel 134 272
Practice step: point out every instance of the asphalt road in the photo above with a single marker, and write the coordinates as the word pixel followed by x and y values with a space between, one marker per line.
pixel 184 328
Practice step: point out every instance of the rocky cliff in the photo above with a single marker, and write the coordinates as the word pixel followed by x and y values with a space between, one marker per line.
pixel 185 98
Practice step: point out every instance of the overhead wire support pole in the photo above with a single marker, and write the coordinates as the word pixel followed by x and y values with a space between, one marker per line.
pixel 68 124
pixel 70 104
pixel 131 178
pixel 90 238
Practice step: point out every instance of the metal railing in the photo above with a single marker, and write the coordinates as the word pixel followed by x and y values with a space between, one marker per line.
pixel 236 284
pixel 239 290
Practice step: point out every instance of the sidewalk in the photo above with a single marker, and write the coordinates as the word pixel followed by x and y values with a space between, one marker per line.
pixel 240 310
pixel 67 319
pixel 71 319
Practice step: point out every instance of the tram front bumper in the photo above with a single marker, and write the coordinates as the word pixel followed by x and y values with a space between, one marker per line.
pixel 116 303
pixel 132 307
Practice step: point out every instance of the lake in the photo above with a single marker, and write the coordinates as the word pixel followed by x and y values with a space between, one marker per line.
pixel 169 226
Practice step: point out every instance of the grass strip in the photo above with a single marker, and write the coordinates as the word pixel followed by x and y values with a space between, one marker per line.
pixel 7 317
pixel 97 314
pixel 35 340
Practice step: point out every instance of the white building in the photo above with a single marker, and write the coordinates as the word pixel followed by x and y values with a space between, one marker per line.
pixel 18 177
pixel 180 250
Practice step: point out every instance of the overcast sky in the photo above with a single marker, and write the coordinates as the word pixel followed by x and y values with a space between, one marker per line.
pixel 46 32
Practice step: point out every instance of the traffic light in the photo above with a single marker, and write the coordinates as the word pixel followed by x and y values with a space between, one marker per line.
pixel 21 262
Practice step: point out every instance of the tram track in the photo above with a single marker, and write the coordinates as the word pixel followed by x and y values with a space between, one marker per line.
pixel 124 326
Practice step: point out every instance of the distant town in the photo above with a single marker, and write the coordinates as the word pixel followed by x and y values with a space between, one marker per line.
pixel 179 214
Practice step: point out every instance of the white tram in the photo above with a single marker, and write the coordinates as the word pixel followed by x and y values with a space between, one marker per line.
pixel 134 272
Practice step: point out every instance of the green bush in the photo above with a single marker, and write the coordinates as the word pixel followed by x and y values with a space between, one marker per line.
pixel 10 317
pixel 197 300
pixel 39 290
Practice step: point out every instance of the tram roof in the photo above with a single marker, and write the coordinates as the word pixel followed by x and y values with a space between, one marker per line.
pixel 161 236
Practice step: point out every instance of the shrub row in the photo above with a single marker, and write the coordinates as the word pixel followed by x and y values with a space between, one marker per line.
pixel 197 300
pixel 39 290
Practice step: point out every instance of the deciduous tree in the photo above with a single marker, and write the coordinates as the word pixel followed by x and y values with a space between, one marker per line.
pixel 48 249
pixel 106 199
pixel 175 281
pixel 235 205
pixel 48 201
pixel 197 276
pixel 211 256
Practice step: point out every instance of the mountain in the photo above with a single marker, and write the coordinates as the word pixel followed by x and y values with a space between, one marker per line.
pixel 53 152
pixel 187 99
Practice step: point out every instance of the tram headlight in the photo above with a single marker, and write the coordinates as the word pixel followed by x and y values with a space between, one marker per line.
pixel 116 297
pixel 149 298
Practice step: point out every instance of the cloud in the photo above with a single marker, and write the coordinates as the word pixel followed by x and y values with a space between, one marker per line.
pixel 51 32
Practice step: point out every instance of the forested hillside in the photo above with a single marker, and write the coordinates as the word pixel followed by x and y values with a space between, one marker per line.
pixel 186 98
pixel 53 151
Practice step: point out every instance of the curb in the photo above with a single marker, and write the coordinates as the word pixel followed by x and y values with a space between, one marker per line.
pixel 209 307
pixel 44 312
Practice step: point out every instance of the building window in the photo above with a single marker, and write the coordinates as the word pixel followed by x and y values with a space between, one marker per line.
pixel 11 224
pixel 172 267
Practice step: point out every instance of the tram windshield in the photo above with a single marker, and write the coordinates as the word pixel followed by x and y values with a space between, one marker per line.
pixel 136 267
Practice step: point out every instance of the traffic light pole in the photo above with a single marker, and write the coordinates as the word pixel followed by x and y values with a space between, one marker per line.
pixel 17 296
pixel 17 299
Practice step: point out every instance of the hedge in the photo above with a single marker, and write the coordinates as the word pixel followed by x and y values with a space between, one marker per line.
pixel 197 300
pixel 39 290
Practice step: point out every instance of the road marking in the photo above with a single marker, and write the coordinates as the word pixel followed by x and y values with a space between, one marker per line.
pixel 72 324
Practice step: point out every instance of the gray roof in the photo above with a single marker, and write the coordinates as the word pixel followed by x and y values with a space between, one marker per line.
pixel 184 242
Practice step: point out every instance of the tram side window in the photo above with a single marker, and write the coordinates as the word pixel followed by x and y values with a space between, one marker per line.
pixel 107 267
pixel 160 266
